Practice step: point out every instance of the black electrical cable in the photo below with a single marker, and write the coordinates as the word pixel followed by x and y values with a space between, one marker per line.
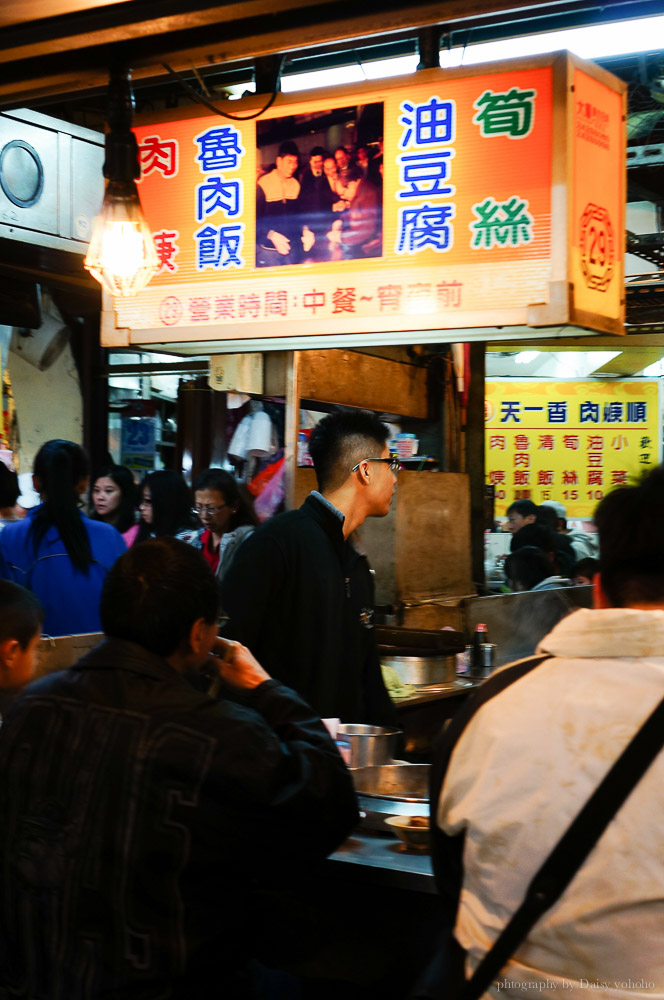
pixel 208 104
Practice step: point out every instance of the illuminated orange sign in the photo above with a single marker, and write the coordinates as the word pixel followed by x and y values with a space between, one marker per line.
pixel 431 203
pixel 599 198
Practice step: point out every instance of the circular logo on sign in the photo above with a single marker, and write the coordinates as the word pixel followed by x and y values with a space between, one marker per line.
pixel 489 411
pixel 170 310
pixel 597 248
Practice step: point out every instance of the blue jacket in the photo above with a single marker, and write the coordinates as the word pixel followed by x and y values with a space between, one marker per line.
pixel 69 597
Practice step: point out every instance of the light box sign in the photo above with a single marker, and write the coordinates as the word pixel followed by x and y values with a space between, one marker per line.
pixel 569 441
pixel 441 200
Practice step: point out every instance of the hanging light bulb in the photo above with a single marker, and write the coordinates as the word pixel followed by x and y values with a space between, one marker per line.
pixel 122 254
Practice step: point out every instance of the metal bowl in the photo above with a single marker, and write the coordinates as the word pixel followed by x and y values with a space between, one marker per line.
pixel 370 746
pixel 414 836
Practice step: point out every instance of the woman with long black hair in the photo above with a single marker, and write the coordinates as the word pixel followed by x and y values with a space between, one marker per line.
pixel 113 500
pixel 55 551
pixel 166 506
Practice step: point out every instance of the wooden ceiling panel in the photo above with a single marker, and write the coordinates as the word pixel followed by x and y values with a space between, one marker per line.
pixel 45 44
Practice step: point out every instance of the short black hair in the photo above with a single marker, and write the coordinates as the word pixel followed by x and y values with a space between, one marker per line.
pixel 522 507
pixel 318 151
pixel 341 440
pixel 631 542
pixel 557 547
pixel 234 494
pixel 21 614
pixel 527 566
pixel 9 488
pixel 539 535
pixel 288 148
pixel 587 566
pixel 155 592
pixel 548 516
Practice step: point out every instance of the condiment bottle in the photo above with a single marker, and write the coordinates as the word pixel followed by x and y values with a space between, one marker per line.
pixel 480 637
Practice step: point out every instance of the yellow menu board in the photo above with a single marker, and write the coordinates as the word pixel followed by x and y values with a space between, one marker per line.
pixel 569 441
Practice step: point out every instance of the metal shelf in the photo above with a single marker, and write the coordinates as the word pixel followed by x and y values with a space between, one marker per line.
pixel 648 246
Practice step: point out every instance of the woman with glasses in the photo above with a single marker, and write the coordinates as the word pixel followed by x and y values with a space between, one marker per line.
pixel 228 519
pixel 165 506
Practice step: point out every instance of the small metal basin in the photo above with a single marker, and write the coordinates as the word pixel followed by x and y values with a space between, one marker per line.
pixel 400 782
pixel 392 790
pixel 422 671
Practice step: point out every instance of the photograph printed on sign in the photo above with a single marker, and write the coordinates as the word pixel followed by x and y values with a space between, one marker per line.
pixel 319 192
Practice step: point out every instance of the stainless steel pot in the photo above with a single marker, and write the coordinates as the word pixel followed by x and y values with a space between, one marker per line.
pixel 370 746
pixel 422 671
pixel 404 782
pixel 392 790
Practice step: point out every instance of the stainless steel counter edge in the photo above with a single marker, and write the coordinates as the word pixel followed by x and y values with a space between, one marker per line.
pixel 382 860
pixel 436 693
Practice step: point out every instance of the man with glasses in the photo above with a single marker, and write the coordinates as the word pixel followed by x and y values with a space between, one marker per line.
pixel 300 592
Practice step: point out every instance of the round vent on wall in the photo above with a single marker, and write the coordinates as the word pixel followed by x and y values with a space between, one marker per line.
pixel 21 173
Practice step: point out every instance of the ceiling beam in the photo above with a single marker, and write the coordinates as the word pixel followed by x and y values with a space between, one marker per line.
pixel 70 54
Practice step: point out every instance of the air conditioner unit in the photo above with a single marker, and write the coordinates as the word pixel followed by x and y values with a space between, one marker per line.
pixel 51 182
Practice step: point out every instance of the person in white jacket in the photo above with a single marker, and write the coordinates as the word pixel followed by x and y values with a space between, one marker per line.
pixel 520 760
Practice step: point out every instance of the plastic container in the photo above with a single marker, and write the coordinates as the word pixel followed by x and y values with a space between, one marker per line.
pixel 406 445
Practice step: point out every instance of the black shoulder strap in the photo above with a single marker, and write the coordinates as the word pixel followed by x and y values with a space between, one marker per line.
pixel 572 849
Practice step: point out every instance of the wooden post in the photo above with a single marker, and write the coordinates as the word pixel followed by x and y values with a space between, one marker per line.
pixel 475 460
pixel 94 390
pixel 292 424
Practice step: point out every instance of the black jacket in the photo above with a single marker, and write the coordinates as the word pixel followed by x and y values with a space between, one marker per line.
pixel 137 816
pixel 301 597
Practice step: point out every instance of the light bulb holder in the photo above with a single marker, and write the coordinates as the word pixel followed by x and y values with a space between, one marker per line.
pixel 121 255
pixel 121 162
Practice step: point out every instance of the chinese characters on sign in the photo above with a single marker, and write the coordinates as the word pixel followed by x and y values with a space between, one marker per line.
pixel 219 246
pixel 423 204
pixel 325 298
pixel 431 128
pixel 511 114
pixel 586 412
pixel 568 441
pixel 219 149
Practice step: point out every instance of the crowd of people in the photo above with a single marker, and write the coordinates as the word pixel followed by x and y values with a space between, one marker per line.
pixel 167 780
pixel 160 798
pixel 330 209
pixel 544 553
pixel 62 554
